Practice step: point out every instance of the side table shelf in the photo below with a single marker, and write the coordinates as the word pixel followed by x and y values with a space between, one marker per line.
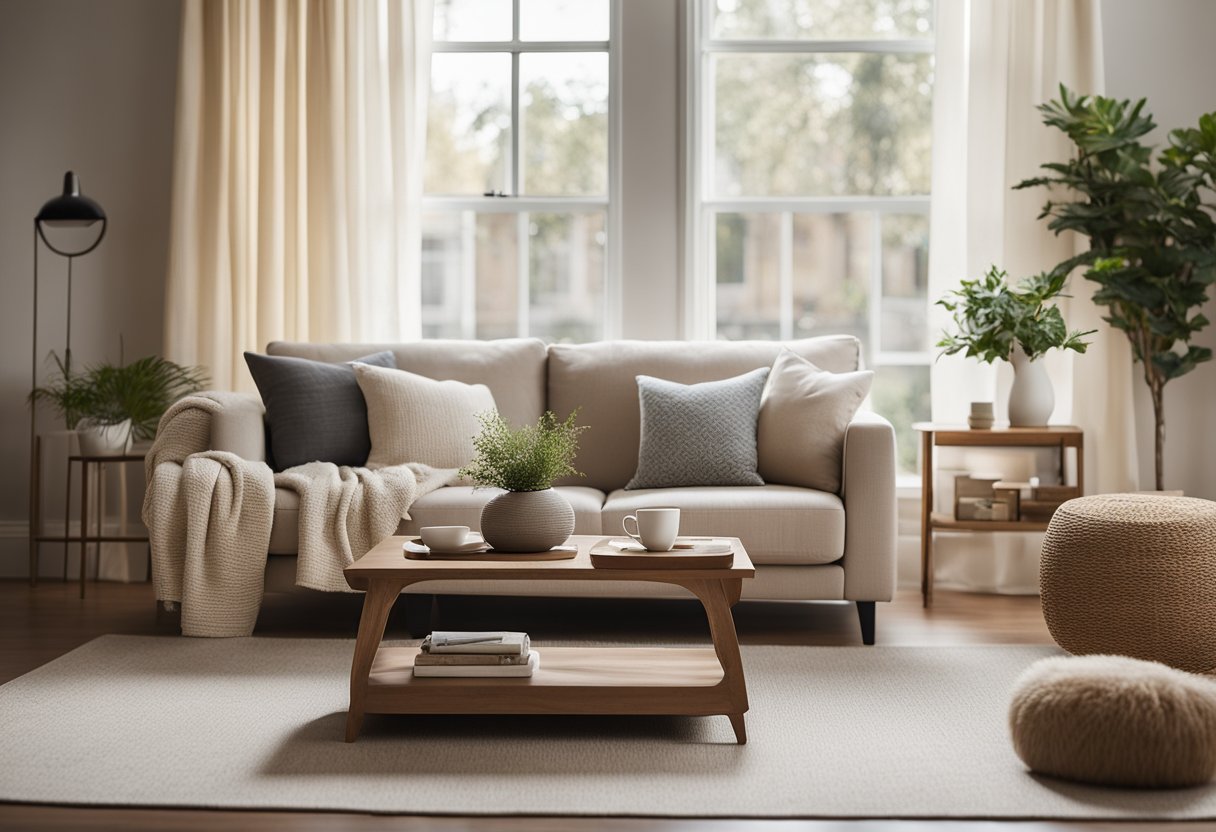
pixel 84 537
pixel 935 435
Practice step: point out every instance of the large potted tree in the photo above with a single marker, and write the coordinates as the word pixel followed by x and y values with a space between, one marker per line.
pixel 1151 233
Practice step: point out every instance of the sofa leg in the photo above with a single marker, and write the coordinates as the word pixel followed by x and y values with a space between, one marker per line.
pixel 421 614
pixel 865 612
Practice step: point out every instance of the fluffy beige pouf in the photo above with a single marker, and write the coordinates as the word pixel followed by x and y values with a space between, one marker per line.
pixel 1115 721
pixel 1133 575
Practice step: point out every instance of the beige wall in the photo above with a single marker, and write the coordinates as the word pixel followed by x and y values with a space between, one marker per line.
pixel 1162 50
pixel 650 232
pixel 87 86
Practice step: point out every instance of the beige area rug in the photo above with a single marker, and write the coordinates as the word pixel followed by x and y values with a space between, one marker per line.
pixel 239 723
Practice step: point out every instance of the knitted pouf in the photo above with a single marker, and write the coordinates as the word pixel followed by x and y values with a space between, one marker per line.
pixel 1114 721
pixel 1134 575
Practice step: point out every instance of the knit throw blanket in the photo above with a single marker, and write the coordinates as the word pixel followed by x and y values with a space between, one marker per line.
pixel 209 515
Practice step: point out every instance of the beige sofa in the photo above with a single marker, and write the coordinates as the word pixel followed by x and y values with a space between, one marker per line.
pixel 807 545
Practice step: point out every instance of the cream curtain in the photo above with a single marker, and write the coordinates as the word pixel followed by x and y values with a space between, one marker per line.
pixel 996 60
pixel 297 176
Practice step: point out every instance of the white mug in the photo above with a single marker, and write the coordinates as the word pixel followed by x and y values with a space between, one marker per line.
pixel 657 528
pixel 443 538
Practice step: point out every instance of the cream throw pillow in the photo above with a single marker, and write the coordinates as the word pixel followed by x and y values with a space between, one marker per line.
pixel 803 417
pixel 412 418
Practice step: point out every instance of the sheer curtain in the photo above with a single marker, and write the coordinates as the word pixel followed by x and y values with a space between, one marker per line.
pixel 996 60
pixel 297 183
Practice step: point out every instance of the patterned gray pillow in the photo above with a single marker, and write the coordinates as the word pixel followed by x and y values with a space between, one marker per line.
pixel 699 434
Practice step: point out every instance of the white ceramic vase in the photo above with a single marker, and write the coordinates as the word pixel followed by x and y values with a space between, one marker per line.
pixel 1031 399
pixel 101 439
pixel 527 521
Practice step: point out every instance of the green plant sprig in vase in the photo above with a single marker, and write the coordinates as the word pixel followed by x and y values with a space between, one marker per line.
pixel 525 462
pixel 529 458
pixel 997 321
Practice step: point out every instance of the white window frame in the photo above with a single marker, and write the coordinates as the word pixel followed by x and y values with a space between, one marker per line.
pixel 521 206
pixel 699 287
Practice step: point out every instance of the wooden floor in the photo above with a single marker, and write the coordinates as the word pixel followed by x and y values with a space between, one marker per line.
pixel 42 623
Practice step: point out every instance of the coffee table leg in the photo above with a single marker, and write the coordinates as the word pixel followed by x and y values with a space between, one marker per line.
pixel 377 603
pixel 717 597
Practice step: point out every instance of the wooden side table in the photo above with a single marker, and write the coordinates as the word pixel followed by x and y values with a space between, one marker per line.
pixel 84 538
pixel 1051 436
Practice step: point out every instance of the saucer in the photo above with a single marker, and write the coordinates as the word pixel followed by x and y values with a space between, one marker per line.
pixel 473 544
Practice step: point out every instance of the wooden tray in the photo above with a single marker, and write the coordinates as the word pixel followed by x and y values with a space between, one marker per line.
pixel 605 556
pixel 558 553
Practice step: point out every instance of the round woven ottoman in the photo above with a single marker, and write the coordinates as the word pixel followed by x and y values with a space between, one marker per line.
pixel 1115 721
pixel 1135 575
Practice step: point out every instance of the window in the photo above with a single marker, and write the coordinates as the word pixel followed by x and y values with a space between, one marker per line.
pixel 517 218
pixel 809 182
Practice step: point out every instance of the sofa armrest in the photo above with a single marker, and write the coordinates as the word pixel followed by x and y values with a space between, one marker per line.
pixel 239 426
pixel 869 509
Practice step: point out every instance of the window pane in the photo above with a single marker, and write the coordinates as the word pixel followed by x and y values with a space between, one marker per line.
pixel 565 123
pixel 749 276
pixel 831 275
pixel 442 264
pixel 827 124
pixel 566 281
pixel 468 136
pixel 469 284
pixel 497 287
pixel 905 283
pixel 563 19
pixel 822 19
pixel 901 395
pixel 472 20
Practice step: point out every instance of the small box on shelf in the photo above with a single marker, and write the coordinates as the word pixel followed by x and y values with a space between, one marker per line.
pixel 1055 493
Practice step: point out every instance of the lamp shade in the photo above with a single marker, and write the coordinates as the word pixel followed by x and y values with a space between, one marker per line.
pixel 71 209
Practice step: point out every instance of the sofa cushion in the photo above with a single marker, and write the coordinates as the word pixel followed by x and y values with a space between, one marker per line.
pixel 450 506
pixel 412 418
pixel 513 368
pixel 803 418
pixel 314 410
pixel 600 378
pixel 777 523
pixel 698 434
pixel 461 506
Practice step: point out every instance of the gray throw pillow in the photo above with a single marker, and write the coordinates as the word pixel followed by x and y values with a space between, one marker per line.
pixel 314 410
pixel 699 434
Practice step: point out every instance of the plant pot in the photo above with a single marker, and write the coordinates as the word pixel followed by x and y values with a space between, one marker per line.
pixel 101 439
pixel 527 521
pixel 1031 399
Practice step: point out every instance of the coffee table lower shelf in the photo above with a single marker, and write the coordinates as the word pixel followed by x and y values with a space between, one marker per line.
pixel 570 680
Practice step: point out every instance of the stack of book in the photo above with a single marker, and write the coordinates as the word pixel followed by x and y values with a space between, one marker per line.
pixel 500 654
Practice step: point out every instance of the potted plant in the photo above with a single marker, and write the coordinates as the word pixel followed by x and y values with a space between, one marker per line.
pixel 109 405
pixel 996 321
pixel 1152 236
pixel 530 516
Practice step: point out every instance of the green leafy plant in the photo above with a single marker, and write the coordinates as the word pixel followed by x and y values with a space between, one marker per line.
pixel 992 317
pixel 107 393
pixel 1151 233
pixel 529 458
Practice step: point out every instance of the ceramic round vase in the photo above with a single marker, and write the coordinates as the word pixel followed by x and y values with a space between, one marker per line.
pixel 527 521
pixel 1031 399
pixel 101 439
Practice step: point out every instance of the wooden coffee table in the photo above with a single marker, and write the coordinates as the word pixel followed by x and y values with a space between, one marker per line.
pixel 570 680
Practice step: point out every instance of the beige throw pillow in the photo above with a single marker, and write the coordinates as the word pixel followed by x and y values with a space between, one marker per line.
pixel 803 417
pixel 412 418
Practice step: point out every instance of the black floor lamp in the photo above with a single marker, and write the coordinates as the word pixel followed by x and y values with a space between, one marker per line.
pixel 71 209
